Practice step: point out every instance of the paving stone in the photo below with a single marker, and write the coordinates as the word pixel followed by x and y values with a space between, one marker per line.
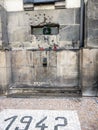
pixel 86 107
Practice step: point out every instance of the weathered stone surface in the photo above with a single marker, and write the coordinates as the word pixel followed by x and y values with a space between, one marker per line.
pixel 22 58
pixel 77 16
pixel 92 24
pixel 23 75
pixel 50 55
pixel 46 75
pixel 5 59
pixel 4 28
pixel 64 16
pixel 5 70
pixel 69 33
pixel 2 59
pixel 67 68
pixel 90 9
pixel 28 67
pixel 5 79
pixel 67 19
pixel 90 72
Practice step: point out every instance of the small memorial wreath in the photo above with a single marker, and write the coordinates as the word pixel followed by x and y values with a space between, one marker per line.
pixel 47 30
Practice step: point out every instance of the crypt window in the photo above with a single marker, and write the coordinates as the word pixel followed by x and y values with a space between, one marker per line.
pixel 43 4
pixel 45 30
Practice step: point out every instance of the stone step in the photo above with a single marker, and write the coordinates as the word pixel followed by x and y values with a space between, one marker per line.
pixel 43 91
pixel 31 95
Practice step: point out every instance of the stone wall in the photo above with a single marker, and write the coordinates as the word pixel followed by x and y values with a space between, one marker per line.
pixel 90 52
pixel 28 68
pixel 3 27
pixel 92 24
pixel 90 72
pixel 5 71
pixel 20 35
pixel 66 65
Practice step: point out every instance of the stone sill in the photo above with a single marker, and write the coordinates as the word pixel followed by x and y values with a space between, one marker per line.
pixel 56 5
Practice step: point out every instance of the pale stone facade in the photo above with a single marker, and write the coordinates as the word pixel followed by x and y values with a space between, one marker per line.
pixel 47 63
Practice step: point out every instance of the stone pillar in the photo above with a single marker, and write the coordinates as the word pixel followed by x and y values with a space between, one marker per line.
pixel 0 27
pixel 90 52
pixel 3 26
pixel 5 71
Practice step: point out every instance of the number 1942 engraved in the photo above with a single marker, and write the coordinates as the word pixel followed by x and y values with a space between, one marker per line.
pixel 26 120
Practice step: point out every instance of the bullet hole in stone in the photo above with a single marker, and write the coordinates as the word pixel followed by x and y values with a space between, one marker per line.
pixel 26 13
pixel 45 62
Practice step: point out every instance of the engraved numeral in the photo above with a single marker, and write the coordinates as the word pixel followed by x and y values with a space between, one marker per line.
pixel 26 120
pixel 63 124
pixel 12 121
pixel 42 126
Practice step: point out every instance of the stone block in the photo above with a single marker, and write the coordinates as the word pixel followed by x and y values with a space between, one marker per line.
pixel 92 34
pixel 72 4
pixel 92 23
pixel 23 75
pixel 2 59
pixel 68 68
pixel 50 55
pixel 19 26
pixel 69 33
pixel 47 75
pixel 59 71
pixel 16 5
pixel 77 15
pixel 5 78
pixel 17 19
pixel 8 59
pixel 19 34
pixel 4 19
pixel 60 5
pixel 90 9
pixel 28 7
pixel 96 11
pixel 44 7
pixel 62 17
pixel 22 58
pixel 90 72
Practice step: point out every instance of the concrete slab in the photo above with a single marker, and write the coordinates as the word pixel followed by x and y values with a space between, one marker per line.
pixel 15 119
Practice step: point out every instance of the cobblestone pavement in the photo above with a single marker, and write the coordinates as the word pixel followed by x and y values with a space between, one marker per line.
pixel 86 107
